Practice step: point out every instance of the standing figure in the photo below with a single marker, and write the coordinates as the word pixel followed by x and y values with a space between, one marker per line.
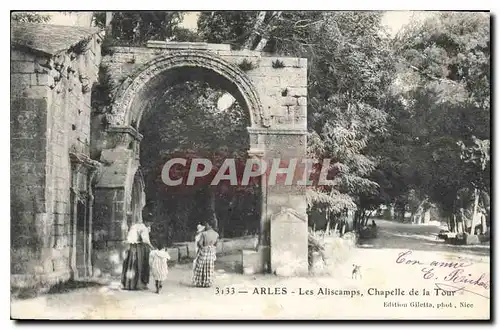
pixel 135 273
pixel 199 230
pixel 204 268
pixel 158 261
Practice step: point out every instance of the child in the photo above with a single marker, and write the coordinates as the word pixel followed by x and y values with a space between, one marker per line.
pixel 159 267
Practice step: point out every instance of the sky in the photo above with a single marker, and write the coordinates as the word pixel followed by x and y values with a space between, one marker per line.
pixel 395 20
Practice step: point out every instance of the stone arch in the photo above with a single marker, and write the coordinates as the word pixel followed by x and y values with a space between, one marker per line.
pixel 123 114
pixel 284 138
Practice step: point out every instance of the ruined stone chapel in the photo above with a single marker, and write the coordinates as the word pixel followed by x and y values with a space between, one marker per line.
pixel 75 187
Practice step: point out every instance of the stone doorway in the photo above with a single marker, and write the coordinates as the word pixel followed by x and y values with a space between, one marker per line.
pixel 82 200
pixel 83 248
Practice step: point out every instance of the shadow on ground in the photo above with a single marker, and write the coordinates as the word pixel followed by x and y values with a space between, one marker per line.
pixel 64 287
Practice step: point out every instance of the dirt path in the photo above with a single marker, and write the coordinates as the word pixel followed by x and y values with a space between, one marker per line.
pixel 267 297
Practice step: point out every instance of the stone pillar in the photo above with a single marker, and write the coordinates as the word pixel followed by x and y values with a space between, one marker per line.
pixel 113 191
pixel 263 252
pixel 83 169
pixel 74 197
pixel 91 213
pixel 285 145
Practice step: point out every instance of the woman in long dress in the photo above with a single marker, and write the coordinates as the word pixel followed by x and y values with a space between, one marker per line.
pixel 204 269
pixel 199 230
pixel 135 273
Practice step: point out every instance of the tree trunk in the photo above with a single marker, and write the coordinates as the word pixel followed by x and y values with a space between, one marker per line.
pixel 473 221
pixel 327 221
pixel 392 213
pixel 165 30
pixel 212 213
pixel 263 41
pixel 484 228
pixel 426 216
pixel 400 209
pixel 357 220
pixel 107 25
pixel 460 223
pixel 258 23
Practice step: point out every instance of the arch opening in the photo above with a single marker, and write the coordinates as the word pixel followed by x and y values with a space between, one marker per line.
pixel 187 65
pixel 154 90
pixel 176 113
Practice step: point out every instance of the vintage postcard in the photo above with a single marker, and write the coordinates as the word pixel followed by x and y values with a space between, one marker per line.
pixel 319 165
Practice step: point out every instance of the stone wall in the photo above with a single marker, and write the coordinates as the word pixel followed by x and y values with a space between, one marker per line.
pixel 224 246
pixel 50 117
pixel 28 170
pixel 281 82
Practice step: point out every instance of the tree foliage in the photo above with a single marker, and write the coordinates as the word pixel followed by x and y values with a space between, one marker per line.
pixel 441 122
pixel 404 120
pixel 29 17
pixel 134 28
pixel 350 69
pixel 231 27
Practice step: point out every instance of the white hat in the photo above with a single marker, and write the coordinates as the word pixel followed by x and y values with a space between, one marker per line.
pixel 200 228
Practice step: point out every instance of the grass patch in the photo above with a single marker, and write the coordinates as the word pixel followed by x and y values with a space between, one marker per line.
pixel 278 64
pixel 246 65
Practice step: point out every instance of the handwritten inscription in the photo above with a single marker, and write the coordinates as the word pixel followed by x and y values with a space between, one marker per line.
pixel 457 275
pixel 450 290
pixel 404 259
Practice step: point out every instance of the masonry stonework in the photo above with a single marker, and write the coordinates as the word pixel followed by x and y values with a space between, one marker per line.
pixel 273 90
pixel 74 167
pixel 50 130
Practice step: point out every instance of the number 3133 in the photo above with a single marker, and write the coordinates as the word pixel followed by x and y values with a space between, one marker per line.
pixel 224 290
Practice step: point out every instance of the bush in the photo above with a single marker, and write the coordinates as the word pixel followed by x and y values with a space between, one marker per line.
pixel 328 250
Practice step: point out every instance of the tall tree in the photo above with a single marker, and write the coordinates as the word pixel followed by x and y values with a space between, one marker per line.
pixel 137 27
pixel 350 70
pixel 442 122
